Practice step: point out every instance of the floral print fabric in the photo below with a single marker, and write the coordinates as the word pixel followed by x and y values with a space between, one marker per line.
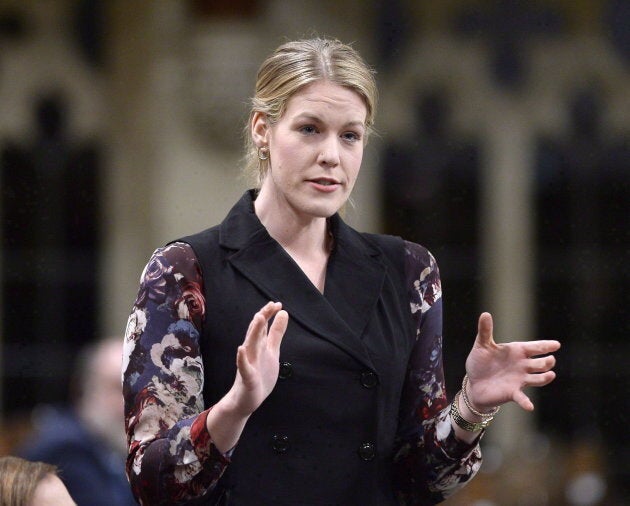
pixel 171 455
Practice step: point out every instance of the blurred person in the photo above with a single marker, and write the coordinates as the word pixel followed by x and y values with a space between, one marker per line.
pixel 25 483
pixel 86 440
pixel 283 358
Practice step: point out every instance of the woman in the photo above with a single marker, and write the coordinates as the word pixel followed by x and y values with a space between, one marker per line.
pixel 333 392
pixel 26 483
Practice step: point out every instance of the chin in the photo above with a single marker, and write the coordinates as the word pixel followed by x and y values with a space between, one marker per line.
pixel 324 211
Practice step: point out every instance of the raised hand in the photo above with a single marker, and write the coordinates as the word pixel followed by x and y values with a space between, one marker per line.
pixel 498 372
pixel 257 361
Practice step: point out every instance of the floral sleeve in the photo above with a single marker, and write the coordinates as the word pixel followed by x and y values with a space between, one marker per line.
pixel 431 463
pixel 171 455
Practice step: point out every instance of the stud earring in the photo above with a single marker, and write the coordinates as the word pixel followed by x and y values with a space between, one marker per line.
pixel 263 153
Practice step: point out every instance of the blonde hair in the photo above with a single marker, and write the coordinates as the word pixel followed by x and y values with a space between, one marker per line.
pixel 292 66
pixel 19 479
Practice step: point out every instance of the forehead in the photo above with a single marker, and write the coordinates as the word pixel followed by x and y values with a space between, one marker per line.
pixel 52 492
pixel 325 96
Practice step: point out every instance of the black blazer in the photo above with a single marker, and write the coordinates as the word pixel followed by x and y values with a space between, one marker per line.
pixel 326 433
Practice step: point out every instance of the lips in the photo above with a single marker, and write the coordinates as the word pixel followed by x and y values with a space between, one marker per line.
pixel 324 184
pixel 324 181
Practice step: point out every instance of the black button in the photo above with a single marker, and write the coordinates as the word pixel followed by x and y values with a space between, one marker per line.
pixel 280 444
pixel 367 451
pixel 369 379
pixel 286 370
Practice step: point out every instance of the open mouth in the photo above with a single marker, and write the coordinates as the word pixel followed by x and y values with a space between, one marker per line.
pixel 324 182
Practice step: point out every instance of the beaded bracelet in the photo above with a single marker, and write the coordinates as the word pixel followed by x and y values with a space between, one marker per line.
pixel 484 416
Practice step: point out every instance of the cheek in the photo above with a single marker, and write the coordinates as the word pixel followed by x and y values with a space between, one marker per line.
pixel 293 154
pixel 286 147
pixel 354 166
pixel 286 158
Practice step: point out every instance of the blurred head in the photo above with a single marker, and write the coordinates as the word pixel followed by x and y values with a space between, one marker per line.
pixel 290 68
pixel 98 391
pixel 25 483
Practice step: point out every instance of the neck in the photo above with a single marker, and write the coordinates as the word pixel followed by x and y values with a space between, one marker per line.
pixel 295 233
pixel 304 237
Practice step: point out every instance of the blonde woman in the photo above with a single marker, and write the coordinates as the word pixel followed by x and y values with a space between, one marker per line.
pixel 283 358
pixel 26 483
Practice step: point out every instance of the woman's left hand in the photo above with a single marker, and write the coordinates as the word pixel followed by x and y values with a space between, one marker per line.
pixel 498 372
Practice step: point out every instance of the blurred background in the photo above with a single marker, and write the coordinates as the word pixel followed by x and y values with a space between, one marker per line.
pixel 503 146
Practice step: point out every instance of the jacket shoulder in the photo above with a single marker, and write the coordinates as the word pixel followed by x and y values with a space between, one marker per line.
pixel 202 243
pixel 391 246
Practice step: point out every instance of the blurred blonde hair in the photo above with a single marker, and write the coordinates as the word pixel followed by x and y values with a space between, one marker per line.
pixel 19 479
pixel 292 66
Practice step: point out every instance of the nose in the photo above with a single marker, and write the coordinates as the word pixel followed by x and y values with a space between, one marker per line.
pixel 329 155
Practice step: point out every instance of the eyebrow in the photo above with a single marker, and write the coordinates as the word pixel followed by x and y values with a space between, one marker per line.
pixel 317 119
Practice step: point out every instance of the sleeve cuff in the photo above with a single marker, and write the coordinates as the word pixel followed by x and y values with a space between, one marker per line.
pixel 451 446
pixel 202 441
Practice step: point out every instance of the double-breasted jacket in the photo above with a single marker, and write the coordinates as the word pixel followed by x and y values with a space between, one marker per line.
pixel 359 414
pixel 326 433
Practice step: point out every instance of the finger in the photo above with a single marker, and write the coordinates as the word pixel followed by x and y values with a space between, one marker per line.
pixel 258 327
pixel 249 328
pixel 541 364
pixel 542 347
pixel 484 329
pixel 255 335
pixel 540 380
pixel 242 363
pixel 264 314
pixel 270 309
pixel 523 401
pixel 277 329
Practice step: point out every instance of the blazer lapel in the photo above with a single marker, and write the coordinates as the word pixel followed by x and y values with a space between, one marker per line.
pixel 355 276
pixel 353 281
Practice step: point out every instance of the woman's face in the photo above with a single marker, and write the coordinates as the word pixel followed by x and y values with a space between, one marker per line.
pixel 315 150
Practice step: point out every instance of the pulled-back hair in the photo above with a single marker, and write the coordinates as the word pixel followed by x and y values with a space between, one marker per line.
pixel 290 68
pixel 19 479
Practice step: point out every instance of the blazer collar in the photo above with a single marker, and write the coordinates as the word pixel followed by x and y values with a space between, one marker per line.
pixel 354 277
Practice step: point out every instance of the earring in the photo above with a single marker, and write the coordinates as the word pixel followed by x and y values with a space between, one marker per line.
pixel 263 153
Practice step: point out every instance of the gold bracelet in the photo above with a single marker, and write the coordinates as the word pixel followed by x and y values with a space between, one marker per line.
pixel 469 404
pixel 465 424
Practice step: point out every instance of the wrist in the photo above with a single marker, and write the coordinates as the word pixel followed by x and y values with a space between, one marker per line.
pixel 465 419
pixel 465 411
pixel 225 423
pixel 483 413
pixel 233 407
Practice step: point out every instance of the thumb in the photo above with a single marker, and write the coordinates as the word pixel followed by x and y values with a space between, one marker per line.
pixel 484 330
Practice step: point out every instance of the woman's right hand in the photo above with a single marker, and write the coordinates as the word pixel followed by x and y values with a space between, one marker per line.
pixel 258 364
pixel 257 359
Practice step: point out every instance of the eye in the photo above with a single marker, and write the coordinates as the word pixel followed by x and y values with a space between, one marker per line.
pixel 308 129
pixel 351 136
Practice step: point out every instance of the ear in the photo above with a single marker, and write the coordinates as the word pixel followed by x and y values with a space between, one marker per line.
pixel 260 129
